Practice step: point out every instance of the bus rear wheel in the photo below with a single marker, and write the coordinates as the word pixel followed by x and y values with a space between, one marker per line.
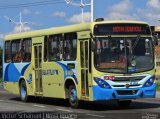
pixel 124 103
pixel 23 91
pixel 73 100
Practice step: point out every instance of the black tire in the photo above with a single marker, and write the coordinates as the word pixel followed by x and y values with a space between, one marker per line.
pixel 72 96
pixel 124 103
pixel 23 91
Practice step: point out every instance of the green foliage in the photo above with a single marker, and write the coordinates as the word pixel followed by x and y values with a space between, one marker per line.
pixel 158 86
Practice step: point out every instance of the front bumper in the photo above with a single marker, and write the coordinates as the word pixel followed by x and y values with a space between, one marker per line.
pixel 123 93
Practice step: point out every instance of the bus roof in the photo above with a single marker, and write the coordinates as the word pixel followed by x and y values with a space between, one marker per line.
pixel 64 29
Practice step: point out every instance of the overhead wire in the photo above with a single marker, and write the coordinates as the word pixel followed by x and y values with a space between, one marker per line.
pixel 31 4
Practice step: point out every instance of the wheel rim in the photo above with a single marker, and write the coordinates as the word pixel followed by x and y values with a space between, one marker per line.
pixel 23 92
pixel 73 95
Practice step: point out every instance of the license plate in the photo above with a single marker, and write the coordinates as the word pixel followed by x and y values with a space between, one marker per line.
pixel 133 82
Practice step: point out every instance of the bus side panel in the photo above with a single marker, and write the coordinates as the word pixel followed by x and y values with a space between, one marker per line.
pixel 12 73
pixel 53 80
pixel 29 80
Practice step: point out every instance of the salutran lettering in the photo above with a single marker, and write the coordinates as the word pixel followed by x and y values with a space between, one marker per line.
pixel 50 72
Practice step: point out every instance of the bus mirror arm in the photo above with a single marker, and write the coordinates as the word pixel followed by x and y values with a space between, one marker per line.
pixel 92 42
pixel 93 45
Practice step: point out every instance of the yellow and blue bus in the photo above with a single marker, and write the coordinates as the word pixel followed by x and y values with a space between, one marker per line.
pixel 97 61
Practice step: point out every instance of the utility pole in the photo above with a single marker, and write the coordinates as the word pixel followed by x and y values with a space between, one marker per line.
pixel 82 5
pixel 92 10
pixel 20 23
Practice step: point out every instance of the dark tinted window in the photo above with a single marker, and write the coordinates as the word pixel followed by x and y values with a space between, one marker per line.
pixel 53 47
pixel 26 50
pixel 70 46
pixel 7 51
pixel 16 54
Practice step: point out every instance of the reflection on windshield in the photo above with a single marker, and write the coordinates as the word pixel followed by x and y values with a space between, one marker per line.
pixel 123 55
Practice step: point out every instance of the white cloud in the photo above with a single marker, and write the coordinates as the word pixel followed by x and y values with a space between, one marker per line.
pixel 120 10
pixel 29 12
pixel 26 12
pixel 151 13
pixel 24 28
pixel 155 4
pixel 124 10
pixel 59 14
pixel 121 7
pixel 77 18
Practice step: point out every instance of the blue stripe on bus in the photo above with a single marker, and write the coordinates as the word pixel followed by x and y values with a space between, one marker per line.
pixel 6 73
pixel 66 69
pixel 12 74
pixel 24 69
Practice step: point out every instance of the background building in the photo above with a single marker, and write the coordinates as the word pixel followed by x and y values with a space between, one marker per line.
pixel 156 33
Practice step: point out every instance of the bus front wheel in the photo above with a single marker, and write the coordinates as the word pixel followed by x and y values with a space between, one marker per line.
pixel 73 100
pixel 23 91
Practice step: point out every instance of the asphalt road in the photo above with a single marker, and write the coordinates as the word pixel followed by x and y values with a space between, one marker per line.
pixel 10 105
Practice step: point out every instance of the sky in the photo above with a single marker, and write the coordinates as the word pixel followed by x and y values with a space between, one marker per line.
pixel 41 14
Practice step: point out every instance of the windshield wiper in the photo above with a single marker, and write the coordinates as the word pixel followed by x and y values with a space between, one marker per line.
pixel 132 61
pixel 135 43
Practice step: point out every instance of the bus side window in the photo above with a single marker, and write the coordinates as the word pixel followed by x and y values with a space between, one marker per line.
pixel 55 47
pixel 16 55
pixel 70 46
pixel 26 47
pixel 7 51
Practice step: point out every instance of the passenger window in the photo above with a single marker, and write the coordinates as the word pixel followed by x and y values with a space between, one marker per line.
pixel 7 51
pixel 26 50
pixel 70 46
pixel 16 54
pixel 55 47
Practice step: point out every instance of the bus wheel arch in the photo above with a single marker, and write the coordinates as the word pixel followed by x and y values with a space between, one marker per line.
pixel 23 90
pixel 71 93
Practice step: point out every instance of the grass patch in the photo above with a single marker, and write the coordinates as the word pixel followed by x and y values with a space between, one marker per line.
pixel 158 86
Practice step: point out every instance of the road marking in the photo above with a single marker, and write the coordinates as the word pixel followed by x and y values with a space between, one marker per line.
pixel 94 115
pixel 39 106
pixel 64 110
pixel 13 102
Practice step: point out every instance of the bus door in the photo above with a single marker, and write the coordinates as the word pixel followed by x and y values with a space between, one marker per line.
pixel 85 71
pixel 38 68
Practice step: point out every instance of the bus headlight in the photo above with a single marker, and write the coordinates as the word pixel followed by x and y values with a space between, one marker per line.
pixel 149 82
pixel 102 83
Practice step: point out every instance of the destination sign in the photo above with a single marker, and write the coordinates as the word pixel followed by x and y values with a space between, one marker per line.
pixel 122 29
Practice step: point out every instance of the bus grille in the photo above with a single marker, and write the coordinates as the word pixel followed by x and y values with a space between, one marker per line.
pixel 121 86
pixel 126 92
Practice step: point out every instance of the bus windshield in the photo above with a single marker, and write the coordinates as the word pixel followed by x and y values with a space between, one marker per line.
pixel 123 55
